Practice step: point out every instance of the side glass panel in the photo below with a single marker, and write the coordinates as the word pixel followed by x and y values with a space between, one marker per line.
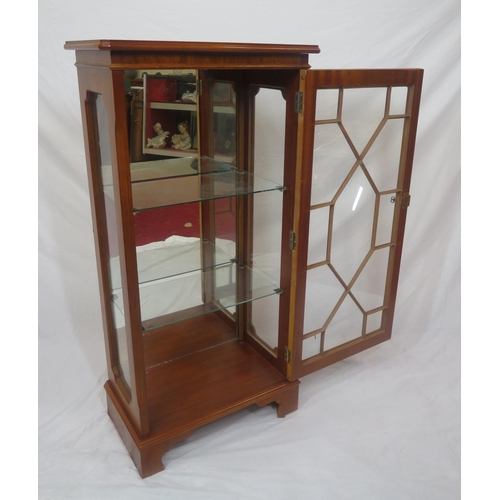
pixel 355 181
pixel 102 157
pixel 270 120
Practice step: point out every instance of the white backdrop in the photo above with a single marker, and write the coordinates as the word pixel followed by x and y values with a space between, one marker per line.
pixel 384 424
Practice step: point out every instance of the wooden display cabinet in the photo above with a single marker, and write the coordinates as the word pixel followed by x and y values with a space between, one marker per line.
pixel 259 245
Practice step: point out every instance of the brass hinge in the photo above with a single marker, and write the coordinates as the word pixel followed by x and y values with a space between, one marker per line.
pixel 199 87
pixel 288 355
pixel 293 240
pixel 405 200
pixel 299 97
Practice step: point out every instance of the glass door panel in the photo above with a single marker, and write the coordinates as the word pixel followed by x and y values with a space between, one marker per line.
pixel 351 222
pixel 332 162
pixel 361 112
pixel 386 213
pixel 359 169
pixel 349 277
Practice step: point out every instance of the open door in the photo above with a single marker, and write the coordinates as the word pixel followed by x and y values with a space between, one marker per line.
pixel 358 137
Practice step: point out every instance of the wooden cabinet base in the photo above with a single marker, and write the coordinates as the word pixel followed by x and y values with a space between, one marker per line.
pixel 187 341
pixel 207 385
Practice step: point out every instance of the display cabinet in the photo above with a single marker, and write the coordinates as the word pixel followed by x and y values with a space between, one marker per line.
pixel 248 216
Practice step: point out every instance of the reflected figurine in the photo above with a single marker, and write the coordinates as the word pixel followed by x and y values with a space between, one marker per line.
pixel 160 140
pixel 189 97
pixel 182 140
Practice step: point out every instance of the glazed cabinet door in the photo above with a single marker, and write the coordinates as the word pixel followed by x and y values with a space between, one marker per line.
pixel 358 135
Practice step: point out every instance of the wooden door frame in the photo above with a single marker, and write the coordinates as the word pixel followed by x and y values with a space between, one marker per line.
pixel 328 79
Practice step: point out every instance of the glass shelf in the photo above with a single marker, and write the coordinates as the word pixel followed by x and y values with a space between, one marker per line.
pixel 177 255
pixel 177 298
pixel 179 190
pixel 176 167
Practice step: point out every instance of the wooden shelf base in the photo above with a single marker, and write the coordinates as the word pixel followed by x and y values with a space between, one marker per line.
pixel 191 391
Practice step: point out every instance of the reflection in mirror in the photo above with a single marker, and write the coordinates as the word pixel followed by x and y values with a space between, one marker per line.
pixel 222 212
pixel 223 98
pixel 163 143
pixel 169 100
pixel 224 114
pixel 184 206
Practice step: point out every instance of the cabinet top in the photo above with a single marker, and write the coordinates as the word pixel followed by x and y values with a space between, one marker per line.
pixel 150 54
pixel 178 46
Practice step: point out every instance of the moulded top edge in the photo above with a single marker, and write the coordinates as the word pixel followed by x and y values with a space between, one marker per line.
pixel 179 46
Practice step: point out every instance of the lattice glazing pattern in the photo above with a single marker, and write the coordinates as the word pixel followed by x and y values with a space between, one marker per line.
pixel 359 139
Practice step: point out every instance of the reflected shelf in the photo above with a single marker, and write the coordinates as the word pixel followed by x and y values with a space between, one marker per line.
pixel 174 106
pixel 176 167
pixel 178 153
pixel 181 106
pixel 174 299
